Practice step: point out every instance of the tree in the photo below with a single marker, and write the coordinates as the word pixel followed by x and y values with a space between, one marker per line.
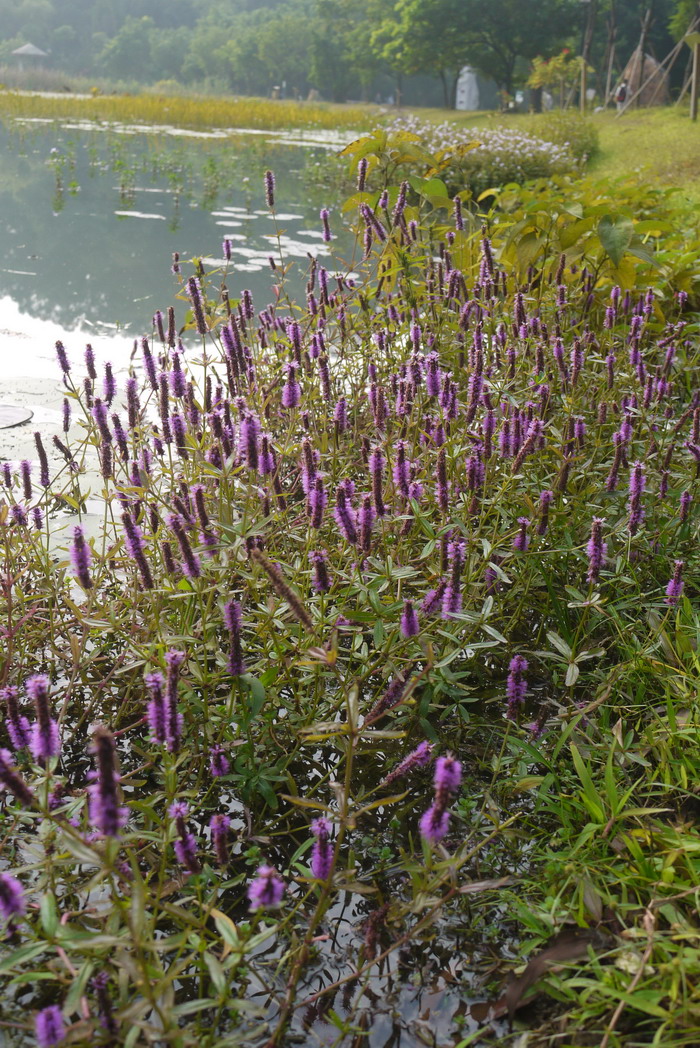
pixel 503 33
pixel 493 36
pixel 425 36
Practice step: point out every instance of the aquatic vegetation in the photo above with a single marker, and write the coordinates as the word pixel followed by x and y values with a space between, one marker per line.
pixel 203 113
pixel 391 599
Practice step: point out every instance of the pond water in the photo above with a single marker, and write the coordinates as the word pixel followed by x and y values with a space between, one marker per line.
pixel 91 217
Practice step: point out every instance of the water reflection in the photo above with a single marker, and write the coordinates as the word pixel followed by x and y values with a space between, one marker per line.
pixel 83 252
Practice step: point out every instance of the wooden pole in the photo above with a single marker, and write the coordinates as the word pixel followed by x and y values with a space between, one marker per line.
pixel 694 82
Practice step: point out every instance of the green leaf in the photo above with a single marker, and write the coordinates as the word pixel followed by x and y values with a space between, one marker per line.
pixel 19 956
pixel 226 929
pixel 218 976
pixel 590 794
pixel 615 234
pixel 559 643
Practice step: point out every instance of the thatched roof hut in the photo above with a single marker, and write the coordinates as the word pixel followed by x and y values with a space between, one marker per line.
pixel 637 72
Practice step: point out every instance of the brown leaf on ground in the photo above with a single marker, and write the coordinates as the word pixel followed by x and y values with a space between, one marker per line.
pixel 569 945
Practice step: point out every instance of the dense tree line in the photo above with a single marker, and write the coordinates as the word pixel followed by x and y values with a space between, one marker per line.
pixel 360 50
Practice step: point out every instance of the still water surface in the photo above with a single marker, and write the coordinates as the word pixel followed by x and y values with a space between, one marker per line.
pixel 91 218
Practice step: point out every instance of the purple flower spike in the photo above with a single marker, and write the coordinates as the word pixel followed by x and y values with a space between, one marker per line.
pixel 45 742
pixel 410 626
pixel 12 902
pixel 418 758
pixel 323 851
pixel 597 550
pixel 155 711
pixel 452 598
pixel 321 581
pixel 106 815
pixel 266 889
pixel 81 557
pixel 674 590
pixel 522 539
pixel 324 216
pixel 174 720
pixel 218 762
pixel 291 390
pixel 516 686
pixel 220 826
pixel 448 776
pixel 636 490
pixel 49 1026
pixel 233 620
pixel 270 189
pixel 434 824
pixel 13 781
pixel 62 358
pixel 186 845
pixel 17 725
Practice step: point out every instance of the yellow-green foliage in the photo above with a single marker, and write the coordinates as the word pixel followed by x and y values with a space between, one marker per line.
pixel 197 113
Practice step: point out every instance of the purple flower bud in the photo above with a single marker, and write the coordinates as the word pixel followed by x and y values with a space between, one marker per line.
pixel 45 742
pixel 12 902
pixel 232 618
pixel 345 516
pixel 156 713
pixel 516 685
pixel 186 845
pixel 81 557
pixel 418 758
pixel 522 539
pixel 218 762
pixel 321 582
pixel 62 358
pixel 323 851
pixel 136 549
pixel 220 826
pixel 452 598
pixel 685 501
pixel 44 475
pixel 674 589
pixel 110 385
pixel 362 174
pixel 340 415
pixel 447 780
pixel 270 189
pixel 636 489
pixel 597 550
pixel 432 602
pixel 434 824
pixel 410 626
pixel 49 1026
pixel 291 390
pixel 191 564
pixel 13 781
pixel 324 215
pixel 105 813
pixel 266 890
pixel 173 660
pixel 25 469
pixel 17 725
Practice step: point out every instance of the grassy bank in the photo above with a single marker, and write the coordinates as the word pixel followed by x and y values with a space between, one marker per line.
pixel 659 145
pixel 200 113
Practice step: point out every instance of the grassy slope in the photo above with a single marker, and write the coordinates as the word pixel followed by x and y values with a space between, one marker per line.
pixel 660 144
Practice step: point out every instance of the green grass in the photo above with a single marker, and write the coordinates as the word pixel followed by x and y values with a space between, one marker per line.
pixel 661 145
